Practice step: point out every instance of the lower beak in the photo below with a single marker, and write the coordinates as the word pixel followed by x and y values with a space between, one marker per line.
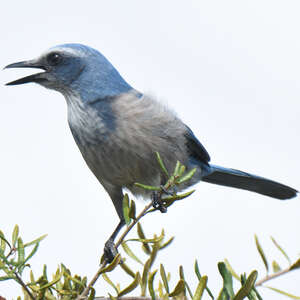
pixel 31 78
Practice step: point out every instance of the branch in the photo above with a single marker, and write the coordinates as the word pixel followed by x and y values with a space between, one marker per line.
pixel 272 276
pixel 118 243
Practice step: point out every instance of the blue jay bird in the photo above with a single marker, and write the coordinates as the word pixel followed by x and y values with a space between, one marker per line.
pixel 118 130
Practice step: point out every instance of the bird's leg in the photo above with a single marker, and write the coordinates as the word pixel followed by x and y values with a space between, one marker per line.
pixel 110 250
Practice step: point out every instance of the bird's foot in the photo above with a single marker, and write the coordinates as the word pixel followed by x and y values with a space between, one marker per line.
pixel 157 202
pixel 110 251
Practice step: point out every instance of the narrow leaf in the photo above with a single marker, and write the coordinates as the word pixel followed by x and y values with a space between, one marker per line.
pixel 179 288
pixel 227 279
pixel 132 210
pixel 276 267
pixel 2 242
pixel 126 209
pixel 247 287
pixel 92 294
pixel 283 293
pixel 181 275
pixel 230 269
pixel 200 288
pixel 181 170
pixel 169 200
pixel 132 286
pixel 186 176
pixel 167 243
pixel 147 187
pixel 21 251
pixel 261 253
pixel 150 284
pixel 112 265
pixel 145 277
pixel 161 165
pixel 295 265
pixel 111 297
pixel 130 253
pixel 3 278
pixel 107 279
pixel 196 267
pixel 153 254
pixel 126 268
pixel 164 278
pixel 142 236
pixel 281 250
pixel 15 235
pixel 39 239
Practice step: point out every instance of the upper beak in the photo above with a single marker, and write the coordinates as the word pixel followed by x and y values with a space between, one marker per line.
pixel 30 78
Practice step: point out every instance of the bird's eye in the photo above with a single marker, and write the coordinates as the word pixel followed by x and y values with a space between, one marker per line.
pixel 54 59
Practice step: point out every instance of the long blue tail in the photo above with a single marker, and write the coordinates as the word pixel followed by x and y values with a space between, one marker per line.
pixel 249 182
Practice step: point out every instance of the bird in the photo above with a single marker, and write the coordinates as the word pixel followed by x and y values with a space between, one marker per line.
pixel 118 130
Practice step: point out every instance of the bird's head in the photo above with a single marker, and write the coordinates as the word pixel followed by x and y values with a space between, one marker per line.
pixel 74 68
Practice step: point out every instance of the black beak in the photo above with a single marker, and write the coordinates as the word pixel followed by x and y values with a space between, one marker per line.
pixel 31 78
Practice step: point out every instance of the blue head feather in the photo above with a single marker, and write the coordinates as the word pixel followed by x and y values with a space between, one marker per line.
pixel 87 72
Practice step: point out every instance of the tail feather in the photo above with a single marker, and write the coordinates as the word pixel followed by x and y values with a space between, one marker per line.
pixel 249 182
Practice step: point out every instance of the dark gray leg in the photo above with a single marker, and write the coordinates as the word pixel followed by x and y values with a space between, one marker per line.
pixel 116 196
pixel 110 250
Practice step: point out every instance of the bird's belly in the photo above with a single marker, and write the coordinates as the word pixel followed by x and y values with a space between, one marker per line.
pixel 121 167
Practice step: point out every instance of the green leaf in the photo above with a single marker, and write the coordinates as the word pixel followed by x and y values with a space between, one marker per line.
pixel 126 209
pixel 111 297
pixel 161 165
pixel 15 235
pixel 3 278
pixel 200 288
pixel 276 267
pixel 147 187
pixel 21 251
pixel 153 254
pixel 150 284
pixel 164 278
pixel 261 253
pixel 181 275
pixel 179 288
pixel 171 199
pixel 281 250
pixel 247 287
pixel 126 268
pixel 132 286
pixel 295 265
pixel 230 269
pixel 176 169
pixel 142 236
pixel 283 293
pixel 35 248
pixel 186 176
pixel 92 294
pixel 107 279
pixel 227 279
pixel 196 267
pixel 36 241
pixel 3 242
pixel 167 243
pixel 112 265
pixel 130 253
pixel 52 283
pixel 132 210
pixel 181 170
pixel 145 278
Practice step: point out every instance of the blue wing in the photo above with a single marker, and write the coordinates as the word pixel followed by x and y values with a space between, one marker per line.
pixel 195 148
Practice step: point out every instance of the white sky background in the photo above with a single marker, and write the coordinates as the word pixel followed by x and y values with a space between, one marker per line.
pixel 231 71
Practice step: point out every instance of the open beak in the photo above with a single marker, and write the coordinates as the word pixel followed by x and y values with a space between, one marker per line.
pixel 31 78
